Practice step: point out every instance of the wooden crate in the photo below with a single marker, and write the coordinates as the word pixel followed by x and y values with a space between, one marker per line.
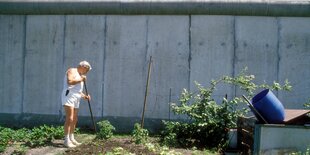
pixel 245 137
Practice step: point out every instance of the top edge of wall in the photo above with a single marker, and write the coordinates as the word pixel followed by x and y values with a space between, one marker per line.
pixel 296 8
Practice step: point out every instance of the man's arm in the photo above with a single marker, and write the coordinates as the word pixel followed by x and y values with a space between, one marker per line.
pixel 71 80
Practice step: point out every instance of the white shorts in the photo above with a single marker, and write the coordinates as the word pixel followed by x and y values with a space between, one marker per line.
pixel 72 99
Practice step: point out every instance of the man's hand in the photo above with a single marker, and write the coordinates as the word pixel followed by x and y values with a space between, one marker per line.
pixel 83 77
pixel 86 97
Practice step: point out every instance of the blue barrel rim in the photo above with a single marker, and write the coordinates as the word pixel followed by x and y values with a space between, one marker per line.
pixel 260 96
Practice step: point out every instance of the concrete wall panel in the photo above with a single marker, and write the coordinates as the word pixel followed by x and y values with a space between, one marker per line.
pixel 84 40
pixel 43 63
pixel 256 48
pixel 168 43
pixel 294 65
pixel 125 66
pixel 11 63
pixel 212 51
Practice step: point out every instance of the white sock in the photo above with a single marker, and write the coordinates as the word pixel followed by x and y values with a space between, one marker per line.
pixel 71 136
pixel 67 137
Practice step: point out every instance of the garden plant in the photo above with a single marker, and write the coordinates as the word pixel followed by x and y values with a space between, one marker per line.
pixel 139 134
pixel 37 136
pixel 106 129
pixel 208 121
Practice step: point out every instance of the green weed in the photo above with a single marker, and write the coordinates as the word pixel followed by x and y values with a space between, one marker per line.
pixel 106 130
pixel 139 134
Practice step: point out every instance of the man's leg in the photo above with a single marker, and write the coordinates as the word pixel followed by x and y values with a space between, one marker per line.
pixel 75 120
pixel 68 125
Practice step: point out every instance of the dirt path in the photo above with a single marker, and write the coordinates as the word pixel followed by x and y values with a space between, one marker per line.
pixel 56 147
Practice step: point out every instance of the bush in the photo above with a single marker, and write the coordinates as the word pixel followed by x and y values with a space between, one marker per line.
pixel 171 132
pixel 106 130
pixel 209 121
pixel 37 136
pixel 139 134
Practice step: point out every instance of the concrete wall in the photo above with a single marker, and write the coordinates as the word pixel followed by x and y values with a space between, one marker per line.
pixel 36 50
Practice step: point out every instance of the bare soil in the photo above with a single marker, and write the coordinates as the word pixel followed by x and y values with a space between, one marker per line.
pixel 94 146
pixel 105 146
pixel 124 142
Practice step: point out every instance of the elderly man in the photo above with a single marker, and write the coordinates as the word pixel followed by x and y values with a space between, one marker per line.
pixel 71 95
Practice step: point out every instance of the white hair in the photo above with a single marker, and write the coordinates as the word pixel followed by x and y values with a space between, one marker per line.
pixel 85 64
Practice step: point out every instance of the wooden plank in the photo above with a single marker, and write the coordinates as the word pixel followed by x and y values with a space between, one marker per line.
pixel 293 114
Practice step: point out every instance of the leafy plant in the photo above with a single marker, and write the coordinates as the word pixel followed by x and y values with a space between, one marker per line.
pixel 20 134
pixel 139 134
pixel 307 104
pixel 210 121
pixel 42 135
pixel 170 133
pixel 6 137
pixel 37 136
pixel 106 130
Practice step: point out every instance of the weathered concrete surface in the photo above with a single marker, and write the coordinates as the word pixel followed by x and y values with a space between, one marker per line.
pixel 11 63
pixel 168 44
pixel 185 49
pixel 43 64
pixel 256 47
pixel 212 52
pixel 294 64
pixel 125 65
pixel 84 40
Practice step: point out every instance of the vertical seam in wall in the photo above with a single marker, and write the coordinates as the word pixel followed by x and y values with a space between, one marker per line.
pixel 234 54
pixel 104 62
pixel 278 50
pixel 63 52
pixel 190 51
pixel 64 42
pixel 24 62
pixel 146 39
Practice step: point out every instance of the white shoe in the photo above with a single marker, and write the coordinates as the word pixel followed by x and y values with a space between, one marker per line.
pixel 75 142
pixel 69 144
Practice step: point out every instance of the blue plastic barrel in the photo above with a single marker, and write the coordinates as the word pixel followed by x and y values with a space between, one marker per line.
pixel 269 106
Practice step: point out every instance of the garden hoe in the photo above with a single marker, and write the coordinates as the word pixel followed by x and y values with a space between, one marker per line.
pixel 91 113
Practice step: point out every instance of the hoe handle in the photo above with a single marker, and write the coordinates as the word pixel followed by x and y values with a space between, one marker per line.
pixel 91 113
